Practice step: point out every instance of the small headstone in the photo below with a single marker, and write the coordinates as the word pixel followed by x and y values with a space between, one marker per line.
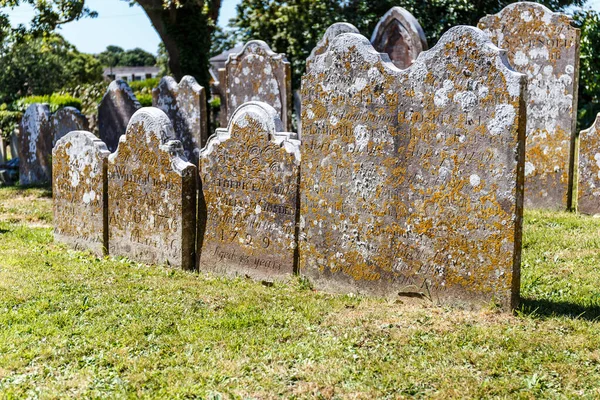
pixel 588 186
pixel 400 36
pixel 185 104
pixel 152 194
pixel 66 120
pixel 79 185
pixel 331 33
pixel 544 46
pixel 14 144
pixel 114 112
pixel 249 175
pixel 411 180
pixel 258 74
pixel 35 145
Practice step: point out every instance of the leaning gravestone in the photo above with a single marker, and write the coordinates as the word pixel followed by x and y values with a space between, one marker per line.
pixel 116 108
pixel 411 180
pixel 152 194
pixel 66 120
pixel 544 46
pixel 257 74
pixel 249 174
pixel 185 104
pixel 35 145
pixel 588 187
pixel 79 185
pixel 400 36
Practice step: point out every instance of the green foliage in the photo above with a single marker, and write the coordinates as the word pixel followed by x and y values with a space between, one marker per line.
pixel 55 101
pixel 9 121
pixel 589 68
pixel 215 102
pixel 145 99
pixel 294 27
pixel 90 95
pixel 115 56
pixel 150 84
pixel 162 61
pixel 41 66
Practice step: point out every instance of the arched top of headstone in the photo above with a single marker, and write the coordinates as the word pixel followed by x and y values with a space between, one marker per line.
pixel 399 34
pixel 170 84
pixel 36 111
pixel 151 130
pixel 119 86
pixel 457 40
pixel 264 119
pixel 83 149
pixel 68 119
pixel 257 47
pixel 332 32
pixel 527 11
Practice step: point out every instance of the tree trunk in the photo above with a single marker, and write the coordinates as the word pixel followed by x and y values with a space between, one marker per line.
pixel 186 33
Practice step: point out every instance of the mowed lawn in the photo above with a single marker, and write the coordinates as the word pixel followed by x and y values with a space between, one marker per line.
pixel 76 326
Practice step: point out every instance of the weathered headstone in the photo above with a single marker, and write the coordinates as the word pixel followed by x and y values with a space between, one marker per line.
pixel 331 33
pixel 249 174
pixel 79 190
pixel 257 74
pixel 185 104
pixel 588 186
pixel 116 108
pixel 35 145
pixel 400 36
pixel 66 120
pixel 152 194
pixel 544 46
pixel 411 180
pixel 14 144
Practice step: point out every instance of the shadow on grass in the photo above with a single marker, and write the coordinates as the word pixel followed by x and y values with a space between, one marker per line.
pixel 21 189
pixel 549 308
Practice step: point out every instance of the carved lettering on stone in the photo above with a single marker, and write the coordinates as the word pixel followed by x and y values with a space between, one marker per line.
pixel 116 108
pixel 249 174
pixel 400 36
pixel 544 46
pixel 257 74
pixel 411 179
pixel 152 194
pixel 588 187
pixel 185 104
pixel 79 191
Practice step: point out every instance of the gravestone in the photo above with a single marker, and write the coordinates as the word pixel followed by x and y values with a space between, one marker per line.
pixel 411 180
pixel 79 189
pixel 66 120
pixel 400 36
pixel 588 187
pixel 14 144
pixel 114 111
pixel 257 74
pixel 152 194
pixel 249 175
pixel 35 145
pixel 331 33
pixel 544 46
pixel 185 104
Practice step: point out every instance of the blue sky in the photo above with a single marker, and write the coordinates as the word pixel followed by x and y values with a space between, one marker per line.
pixel 117 24
pixel 125 26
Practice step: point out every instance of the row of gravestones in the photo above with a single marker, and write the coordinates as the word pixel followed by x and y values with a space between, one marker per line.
pixel 411 180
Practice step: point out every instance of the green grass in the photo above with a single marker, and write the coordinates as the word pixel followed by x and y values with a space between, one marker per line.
pixel 76 326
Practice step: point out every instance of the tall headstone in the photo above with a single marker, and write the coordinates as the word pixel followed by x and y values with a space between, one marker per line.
pixel 257 74
pixel 411 180
pixel 249 175
pixel 35 145
pixel 66 120
pixel 544 46
pixel 400 36
pixel 588 186
pixel 152 194
pixel 114 112
pixel 331 33
pixel 185 104
pixel 79 191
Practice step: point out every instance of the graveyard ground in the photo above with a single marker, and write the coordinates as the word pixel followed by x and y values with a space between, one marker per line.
pixel 73 325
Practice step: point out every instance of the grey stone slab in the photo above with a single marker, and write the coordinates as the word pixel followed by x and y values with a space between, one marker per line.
pixel 114 112
pixel 35 145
